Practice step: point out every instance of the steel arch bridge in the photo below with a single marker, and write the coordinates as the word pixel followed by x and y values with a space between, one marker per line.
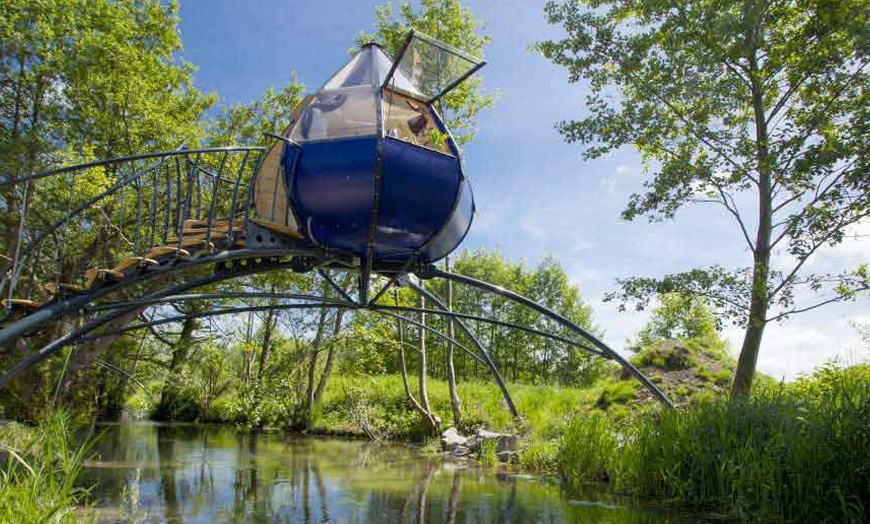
pixel 174 213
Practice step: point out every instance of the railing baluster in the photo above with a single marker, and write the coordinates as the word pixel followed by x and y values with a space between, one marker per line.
pixel 138 217
pixel 231 237
pixel 168 207
pixel 260 157
pixel 178 203
pixel 214 198
pixel 198 176
pixel 122 207
pixel 155 190
pixel 191 168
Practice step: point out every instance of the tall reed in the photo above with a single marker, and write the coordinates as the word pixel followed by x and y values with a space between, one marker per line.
pixel 797 452
pixel 38 478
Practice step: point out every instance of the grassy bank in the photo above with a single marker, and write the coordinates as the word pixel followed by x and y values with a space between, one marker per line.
pixel 40 466
pixel 798 452
pixel 380 402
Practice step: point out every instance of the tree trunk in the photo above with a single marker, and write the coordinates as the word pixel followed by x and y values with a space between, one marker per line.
pixel 265 348
pixel 455 402
pixel 428 417
pixel 760 300
pixel 169 393
pixel 330 357
pixel 308 403
pixel 422 371
pixel 85 355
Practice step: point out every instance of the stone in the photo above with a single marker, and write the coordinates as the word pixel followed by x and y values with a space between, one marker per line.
pixel 460 451
pixel 451 438
pixel 503 442
pixel 508 457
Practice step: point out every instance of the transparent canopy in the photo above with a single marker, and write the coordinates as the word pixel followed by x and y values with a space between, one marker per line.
pixel 433 68
pixel 346 106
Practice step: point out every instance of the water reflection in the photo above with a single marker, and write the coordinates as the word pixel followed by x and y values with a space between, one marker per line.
pixel 198 474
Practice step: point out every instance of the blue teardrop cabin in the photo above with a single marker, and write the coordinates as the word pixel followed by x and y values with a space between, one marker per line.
pixel 367 166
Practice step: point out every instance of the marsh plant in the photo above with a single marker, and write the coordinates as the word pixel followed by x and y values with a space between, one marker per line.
pixel 795 452
pixel 42 465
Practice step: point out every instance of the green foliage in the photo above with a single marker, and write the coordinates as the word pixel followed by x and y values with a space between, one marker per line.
pixel 540 455
pixel 796 452
pixel 99 78
pixel 679 316
pixel 388 415
pixel 245 124
pixel 668 356
pixel 487 456
pixel 731 104
pixel 617 393
pixel 586 451
pixel 452 23
pixel 38 477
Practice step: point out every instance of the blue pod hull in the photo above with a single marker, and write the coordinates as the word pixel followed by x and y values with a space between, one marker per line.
pixel 424 204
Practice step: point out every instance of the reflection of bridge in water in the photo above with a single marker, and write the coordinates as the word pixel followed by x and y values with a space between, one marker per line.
pixel 99 243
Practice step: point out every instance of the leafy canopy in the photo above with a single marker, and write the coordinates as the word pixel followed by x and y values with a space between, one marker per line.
pixel 759 108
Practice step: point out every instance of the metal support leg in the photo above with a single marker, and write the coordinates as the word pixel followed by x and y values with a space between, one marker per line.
pixel 489 363
pixel 628 366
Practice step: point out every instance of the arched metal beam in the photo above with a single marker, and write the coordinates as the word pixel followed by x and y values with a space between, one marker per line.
pixel 489 363
pixel 431 330
pixel 144 156
pixel 494 321
pixel 72 336
pixel 373 307
pixel 214 313
pixel 326 303
pixel 115 369
pixel 516 297
pixel 62 307
pixel 191 297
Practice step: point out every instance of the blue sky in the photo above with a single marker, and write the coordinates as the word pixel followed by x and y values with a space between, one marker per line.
pixel 534 193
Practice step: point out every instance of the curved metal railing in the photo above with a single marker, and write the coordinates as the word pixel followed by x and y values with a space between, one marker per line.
pixel 95 215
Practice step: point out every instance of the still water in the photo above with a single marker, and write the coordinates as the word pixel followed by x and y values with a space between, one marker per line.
pixel 159 473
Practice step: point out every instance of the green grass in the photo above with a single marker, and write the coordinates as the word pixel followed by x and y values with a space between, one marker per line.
pixel 381 401
pixel 617 393
pixel 796 453
pixel 37 481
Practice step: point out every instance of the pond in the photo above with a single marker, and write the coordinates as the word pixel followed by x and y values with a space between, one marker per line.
pixel 172 473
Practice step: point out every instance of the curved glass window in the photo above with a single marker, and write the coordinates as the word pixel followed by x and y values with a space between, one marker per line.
pixel 338 113
pixel 412 121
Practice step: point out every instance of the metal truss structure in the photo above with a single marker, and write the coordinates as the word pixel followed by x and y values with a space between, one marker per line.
pixel 187 220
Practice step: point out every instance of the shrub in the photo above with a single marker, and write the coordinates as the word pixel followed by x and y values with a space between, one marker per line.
pixel 797 452
pixel 616 393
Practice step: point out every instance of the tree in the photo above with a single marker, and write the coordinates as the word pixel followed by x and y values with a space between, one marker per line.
pixel 760 108
pixel 245 124
pixel 81 79
pixel 454 24
pixel 679 316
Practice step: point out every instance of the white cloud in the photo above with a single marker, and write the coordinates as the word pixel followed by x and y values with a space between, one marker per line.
pixel 856 244
pixel 790 349
pixel 529 225
pixel 608 185
pixel 488 219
